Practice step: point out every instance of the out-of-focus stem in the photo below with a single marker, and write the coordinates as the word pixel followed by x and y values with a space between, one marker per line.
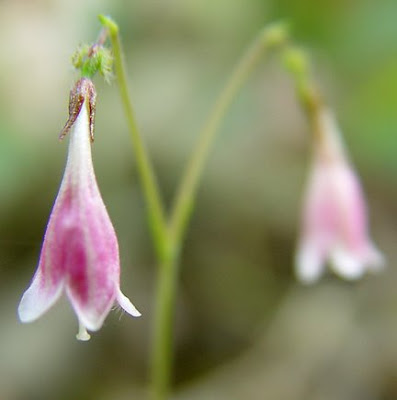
pixel 162 356
pixel 298 65
pixel 269 38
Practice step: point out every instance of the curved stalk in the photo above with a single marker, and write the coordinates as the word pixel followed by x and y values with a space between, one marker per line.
pixel 154 204
pixel 269 38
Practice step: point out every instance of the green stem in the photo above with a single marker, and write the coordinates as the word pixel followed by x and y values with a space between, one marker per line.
pixel 162 355
pixel 154 204
pixel 162 350
pixel 267 39
pixel 168 241
pixel 298 65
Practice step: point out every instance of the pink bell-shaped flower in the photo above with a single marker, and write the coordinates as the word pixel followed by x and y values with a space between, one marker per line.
pixel 80 252
pixel 335 226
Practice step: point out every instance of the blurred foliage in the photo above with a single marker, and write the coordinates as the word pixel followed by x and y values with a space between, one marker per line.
pixel 245 328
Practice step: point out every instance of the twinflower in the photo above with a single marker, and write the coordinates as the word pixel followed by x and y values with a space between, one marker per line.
pixel 335 226
pixel 80 252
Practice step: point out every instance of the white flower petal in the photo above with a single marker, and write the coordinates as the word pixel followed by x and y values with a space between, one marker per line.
pixel 309 263
pixel 38 299
pixel 126 304
pixel 346 264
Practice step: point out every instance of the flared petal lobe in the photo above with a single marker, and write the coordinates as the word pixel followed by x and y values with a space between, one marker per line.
pixel 49 279
pixel 80 249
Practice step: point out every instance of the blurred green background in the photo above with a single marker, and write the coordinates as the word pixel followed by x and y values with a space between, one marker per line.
pixel 245 328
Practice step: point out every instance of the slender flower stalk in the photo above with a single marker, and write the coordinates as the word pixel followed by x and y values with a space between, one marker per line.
pixel 155 209
pixel 268 39
pixel 80 252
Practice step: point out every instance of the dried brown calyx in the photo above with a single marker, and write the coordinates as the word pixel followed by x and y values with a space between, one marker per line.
pixel 83 90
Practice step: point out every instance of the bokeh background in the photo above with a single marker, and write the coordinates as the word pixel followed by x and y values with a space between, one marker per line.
pixel 245 328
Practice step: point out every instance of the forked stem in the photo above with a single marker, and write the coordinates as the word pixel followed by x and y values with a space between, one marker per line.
pixel 169 238
pixel 162 356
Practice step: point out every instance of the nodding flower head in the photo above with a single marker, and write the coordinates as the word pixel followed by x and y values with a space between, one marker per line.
pixel 80 252
pixel 335 227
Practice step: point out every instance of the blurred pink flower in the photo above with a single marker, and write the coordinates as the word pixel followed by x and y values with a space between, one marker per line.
pixel 80 251
pixel 334 216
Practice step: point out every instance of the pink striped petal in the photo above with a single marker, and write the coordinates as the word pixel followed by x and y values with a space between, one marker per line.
pixel 80 250
pixel 335 218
